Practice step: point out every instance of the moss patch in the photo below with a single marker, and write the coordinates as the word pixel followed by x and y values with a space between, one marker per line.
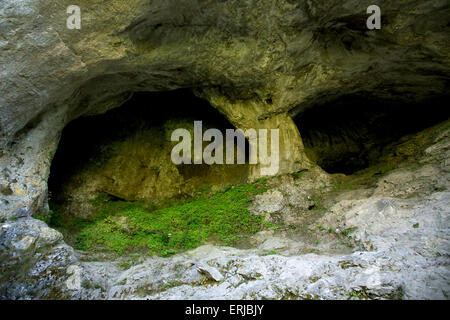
pixel 122 227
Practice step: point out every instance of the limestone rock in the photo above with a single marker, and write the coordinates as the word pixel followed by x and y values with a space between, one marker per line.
pixel 34 260
pixel 210 272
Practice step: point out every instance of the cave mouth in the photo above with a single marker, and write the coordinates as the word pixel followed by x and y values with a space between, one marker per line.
pixel 353 132
pixel 125 153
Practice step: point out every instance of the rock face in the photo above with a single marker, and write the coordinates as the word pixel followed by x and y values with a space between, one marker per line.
pixel 34 260
pixel 259 62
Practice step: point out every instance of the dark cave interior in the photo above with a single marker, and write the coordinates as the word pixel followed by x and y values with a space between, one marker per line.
pixel 341 136
pixel 88 139
pixel 350 133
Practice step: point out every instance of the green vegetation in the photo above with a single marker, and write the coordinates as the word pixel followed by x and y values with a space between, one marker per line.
pixel 347 231
pixel 416 225
pixel 87 285
pixel 46 216
pixel 170 284
pixel 362 294
pixel 299 175
pixel 122 227
pixel 317 200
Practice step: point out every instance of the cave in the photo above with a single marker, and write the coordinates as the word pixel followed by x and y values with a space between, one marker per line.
pixel 93 207
pixel 125 154
pixel 353 132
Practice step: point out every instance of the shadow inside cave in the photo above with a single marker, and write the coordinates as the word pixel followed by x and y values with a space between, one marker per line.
pixel 126 154
pixel 353 132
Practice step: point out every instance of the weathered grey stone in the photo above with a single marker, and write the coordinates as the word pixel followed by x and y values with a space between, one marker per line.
pixel 210 272
pixel 22 212
pixel 33 260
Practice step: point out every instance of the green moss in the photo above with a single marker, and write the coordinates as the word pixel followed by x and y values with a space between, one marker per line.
pixel 46 216
pixel 347 231
pixel 125 265
pixel 171 284
pixel 299 175
pixel 88 285
pixel 122 227
pixel 317 200
pixel 339 185
pixel 308 296
pixel 271 252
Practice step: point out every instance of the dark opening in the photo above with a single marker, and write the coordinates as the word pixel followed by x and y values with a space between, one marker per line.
pixel 350 133
pixel 125 153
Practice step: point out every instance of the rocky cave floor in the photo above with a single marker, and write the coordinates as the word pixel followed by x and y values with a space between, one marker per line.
pixel 381 233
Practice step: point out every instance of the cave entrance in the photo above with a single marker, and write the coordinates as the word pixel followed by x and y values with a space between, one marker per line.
pixel 354 132
pixel 125 154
